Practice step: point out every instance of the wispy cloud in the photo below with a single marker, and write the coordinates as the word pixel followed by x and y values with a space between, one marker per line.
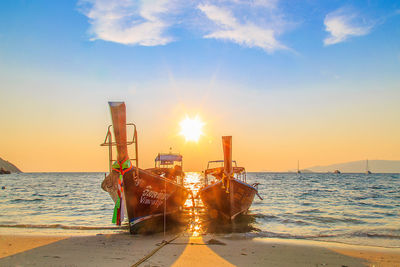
pixel 132 22
pixel 259 3
pixel 343 24
pixel 250 23
pixel 246 32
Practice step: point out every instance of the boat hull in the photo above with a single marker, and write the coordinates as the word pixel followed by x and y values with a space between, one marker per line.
pixel 227 205
pixel 145 197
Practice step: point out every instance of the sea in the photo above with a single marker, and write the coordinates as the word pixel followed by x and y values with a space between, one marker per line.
pixel 348 208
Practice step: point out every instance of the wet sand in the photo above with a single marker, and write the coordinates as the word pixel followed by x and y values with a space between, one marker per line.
pixel 208 250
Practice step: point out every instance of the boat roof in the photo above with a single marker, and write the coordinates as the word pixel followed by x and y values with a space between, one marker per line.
pixel 168 157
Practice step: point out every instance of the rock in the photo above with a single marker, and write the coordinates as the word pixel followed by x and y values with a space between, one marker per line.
pixel 8 166
pixel 215 242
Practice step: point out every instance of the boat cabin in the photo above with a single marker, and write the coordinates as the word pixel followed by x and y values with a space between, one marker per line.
pixel 169 160
pixel 169 165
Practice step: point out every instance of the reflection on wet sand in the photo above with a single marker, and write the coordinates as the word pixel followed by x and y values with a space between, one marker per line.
pixel 242 224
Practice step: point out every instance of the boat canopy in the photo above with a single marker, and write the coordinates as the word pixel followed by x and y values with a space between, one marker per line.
pixel 166 159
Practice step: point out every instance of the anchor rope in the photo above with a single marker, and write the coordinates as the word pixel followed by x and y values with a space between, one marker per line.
pixel 162 244
pixel 154 251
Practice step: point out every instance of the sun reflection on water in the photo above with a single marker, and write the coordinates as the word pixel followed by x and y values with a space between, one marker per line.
pixel 193 182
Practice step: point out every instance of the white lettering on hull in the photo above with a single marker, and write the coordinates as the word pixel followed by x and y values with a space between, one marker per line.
pixel 153 198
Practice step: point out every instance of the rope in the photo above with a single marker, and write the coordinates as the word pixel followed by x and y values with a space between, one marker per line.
pixel 164 242
pixel 154 251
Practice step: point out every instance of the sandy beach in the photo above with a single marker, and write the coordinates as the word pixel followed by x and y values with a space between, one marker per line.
pixel 185 250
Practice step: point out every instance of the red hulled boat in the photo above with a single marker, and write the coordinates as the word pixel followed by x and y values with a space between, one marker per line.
pixel 142 195
pixel 229 194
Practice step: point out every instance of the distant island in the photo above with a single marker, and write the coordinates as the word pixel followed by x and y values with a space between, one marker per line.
pixel 8 166
pixel 375 166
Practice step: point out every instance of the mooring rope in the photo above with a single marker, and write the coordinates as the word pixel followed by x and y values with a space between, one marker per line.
pixel 154 251
pixel 145 258
pixel 164 242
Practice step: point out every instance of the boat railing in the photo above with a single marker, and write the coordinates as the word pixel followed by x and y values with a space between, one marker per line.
pixel 240 175
pixel 221 163
pixel 108 141
pixel 168 165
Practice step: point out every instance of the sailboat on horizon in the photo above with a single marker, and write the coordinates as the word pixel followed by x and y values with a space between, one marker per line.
pixel 367 171
pixel 298 167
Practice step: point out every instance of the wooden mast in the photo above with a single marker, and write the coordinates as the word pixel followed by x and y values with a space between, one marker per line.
pixel 227 147
pixel 118 115
pixel 228 171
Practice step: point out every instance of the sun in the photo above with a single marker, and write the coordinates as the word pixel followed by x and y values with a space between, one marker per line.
pixel 191 128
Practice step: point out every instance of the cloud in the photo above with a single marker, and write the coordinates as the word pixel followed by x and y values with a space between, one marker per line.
pixel 343 24
pixel 266 3
pixel 250 23
pixel 129 22
pixel 246 33
pixel 256 3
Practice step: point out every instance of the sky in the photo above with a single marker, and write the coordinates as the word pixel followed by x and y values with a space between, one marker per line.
pixel 314 81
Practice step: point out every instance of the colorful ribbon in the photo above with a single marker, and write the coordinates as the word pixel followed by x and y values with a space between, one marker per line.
pixel 119 208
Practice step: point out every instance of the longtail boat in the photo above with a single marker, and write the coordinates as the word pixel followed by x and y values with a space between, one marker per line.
pixel 141 195
pixel 229 194
pixel 169 165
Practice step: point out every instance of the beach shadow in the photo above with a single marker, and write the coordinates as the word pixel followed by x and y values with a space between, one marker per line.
pixel 211 250
pixel 240 251
pixel 100 250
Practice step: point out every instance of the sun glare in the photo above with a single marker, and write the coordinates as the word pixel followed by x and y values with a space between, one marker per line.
pixel 191 128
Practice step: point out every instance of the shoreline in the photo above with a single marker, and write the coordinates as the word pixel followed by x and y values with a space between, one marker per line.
pixel 73 231
pixel 122 249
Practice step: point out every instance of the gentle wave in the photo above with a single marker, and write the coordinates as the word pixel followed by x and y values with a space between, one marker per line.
pixel 19 200
pixel 286 236
pixel 307 219
pixel 294 236
pixel 50 195
pixel 381 233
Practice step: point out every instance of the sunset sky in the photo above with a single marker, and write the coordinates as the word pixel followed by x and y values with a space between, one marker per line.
pixel 315 81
